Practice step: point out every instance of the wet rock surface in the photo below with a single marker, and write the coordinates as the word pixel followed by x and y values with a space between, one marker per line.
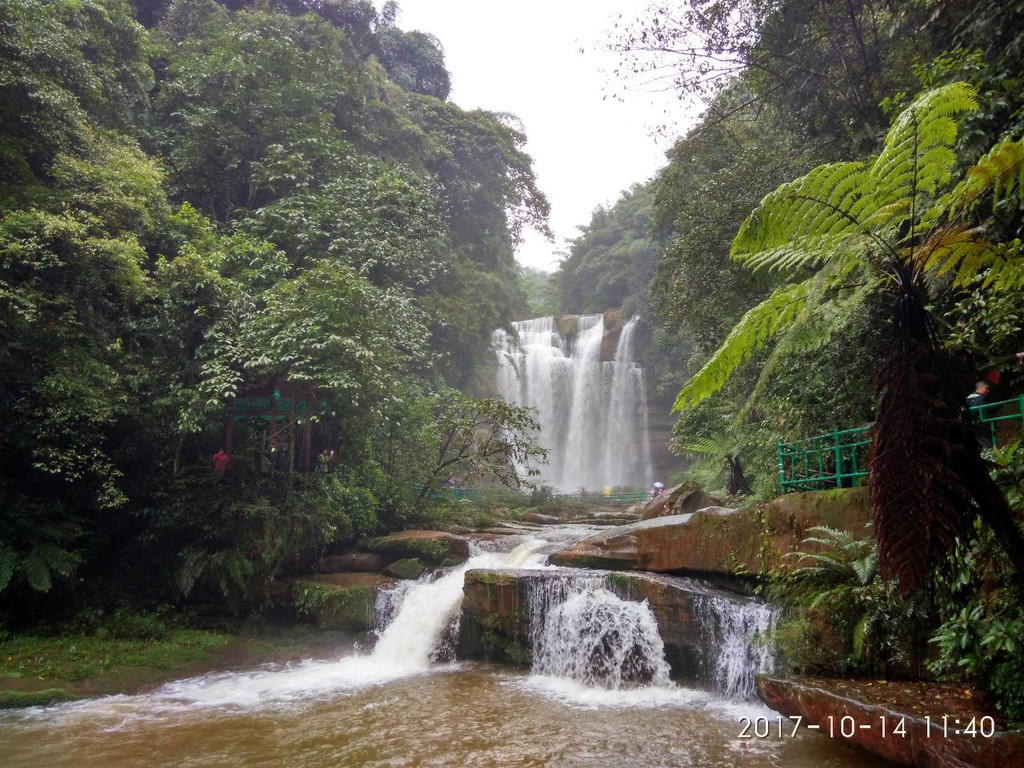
pixel 342 601
pixel 826 702
pixel 354 561
pixel 497 612
pixel 430 547
pixel 684 499
pixel 717 541
pixel 410 568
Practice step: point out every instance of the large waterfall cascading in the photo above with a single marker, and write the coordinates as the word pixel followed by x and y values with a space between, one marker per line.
pixel 593 413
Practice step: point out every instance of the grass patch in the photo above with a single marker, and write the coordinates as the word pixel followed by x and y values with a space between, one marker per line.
pixel 77 657
pixel 21 699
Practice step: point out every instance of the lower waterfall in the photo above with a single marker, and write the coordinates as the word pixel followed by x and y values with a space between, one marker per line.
pixel 580 630
pixel 599 639
pixel 736 629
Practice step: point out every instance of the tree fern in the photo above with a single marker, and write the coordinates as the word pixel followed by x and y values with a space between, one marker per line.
pixel 8 565
pixel 751 333
pixel 829 220
pixel 896 217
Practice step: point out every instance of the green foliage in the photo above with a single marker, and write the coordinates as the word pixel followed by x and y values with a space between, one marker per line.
pixel 835 219
pixel 78 656
pixel 840 617
pixel 611 262
pixel 236 197
pixel 982 614
pixel 68 70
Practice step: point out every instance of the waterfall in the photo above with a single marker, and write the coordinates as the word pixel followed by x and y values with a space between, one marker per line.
pixel 593 413
pixel 420 619
pixel 601 640
pixel 735 628
pixel 581 631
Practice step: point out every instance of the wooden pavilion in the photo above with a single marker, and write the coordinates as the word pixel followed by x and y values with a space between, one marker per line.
pixel 281 411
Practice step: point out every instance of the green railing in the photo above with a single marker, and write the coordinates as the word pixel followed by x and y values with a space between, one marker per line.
pixel 838 459
pixel 1001 426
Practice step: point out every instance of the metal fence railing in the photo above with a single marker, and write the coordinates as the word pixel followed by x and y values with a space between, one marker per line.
pixel 838 459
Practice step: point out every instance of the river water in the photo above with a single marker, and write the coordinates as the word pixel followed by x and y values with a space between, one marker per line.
pixel 395 704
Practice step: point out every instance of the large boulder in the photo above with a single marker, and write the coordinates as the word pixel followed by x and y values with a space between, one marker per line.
pixel 430 547
pixel 861 707
pixel 539 519
pixel 719 542
pixel 332 601
pixel 501 608
pixel 363 562
pixel 684 499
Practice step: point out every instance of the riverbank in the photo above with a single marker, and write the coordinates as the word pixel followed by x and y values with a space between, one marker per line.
pixel 38 670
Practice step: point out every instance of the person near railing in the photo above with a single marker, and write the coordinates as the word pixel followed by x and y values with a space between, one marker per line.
pixel 977 399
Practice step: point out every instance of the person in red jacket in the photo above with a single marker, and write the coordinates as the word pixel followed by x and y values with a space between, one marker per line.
pixel 221 461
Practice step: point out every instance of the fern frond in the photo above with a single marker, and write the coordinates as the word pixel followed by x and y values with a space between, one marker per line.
pixel 8 565
pixel 860 633
pixel 999 266
pixel 716 446
pixel 195 562
pixel 58 559
pixel 803 221
pixel 36 571
pixel 751 333
pixel 918 156
pixel 1000 170
pixel 813 328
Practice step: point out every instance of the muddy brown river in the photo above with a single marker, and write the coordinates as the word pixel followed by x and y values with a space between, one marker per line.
pixel 468 715
pixel 392 704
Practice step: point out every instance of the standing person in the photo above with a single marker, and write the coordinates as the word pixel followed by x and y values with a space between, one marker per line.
pixel 974 400
pixel 980 394
pixel 323 462
pixel 221 461
pixel 277 456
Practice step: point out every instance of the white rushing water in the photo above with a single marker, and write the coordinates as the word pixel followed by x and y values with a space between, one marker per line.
pixel 421 612
pixel 599 639
pixel 735 629
pixel 590 647
pixel 593 413
pixel 585 639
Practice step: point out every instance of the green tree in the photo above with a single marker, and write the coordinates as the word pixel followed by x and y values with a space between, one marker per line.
pixel 878 228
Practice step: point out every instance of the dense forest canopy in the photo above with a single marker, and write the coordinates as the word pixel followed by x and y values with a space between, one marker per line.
pixel 206 201
pixel 259 231
pixel 837 243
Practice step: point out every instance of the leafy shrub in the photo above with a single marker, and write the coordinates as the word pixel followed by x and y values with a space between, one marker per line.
pixel 840 617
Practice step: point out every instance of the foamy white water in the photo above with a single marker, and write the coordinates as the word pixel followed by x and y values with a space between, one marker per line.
pixel 404 649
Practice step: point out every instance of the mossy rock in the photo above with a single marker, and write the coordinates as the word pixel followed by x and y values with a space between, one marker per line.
pixel 45 697
pixel 346 601
pixel 409 568
pixel 715 541
pixel 436 548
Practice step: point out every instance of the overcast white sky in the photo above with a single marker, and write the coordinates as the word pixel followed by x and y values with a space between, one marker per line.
pixel 525 58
